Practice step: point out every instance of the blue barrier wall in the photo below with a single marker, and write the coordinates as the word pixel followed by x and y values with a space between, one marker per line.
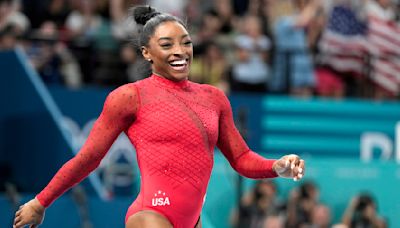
pixel 29 125
pixel 327 128
pixel 34 143
pixel 314 127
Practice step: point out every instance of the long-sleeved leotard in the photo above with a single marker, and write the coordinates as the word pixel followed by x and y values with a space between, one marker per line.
pixel 174 127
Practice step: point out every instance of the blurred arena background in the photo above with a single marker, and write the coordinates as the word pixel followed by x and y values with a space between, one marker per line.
pixel 315 78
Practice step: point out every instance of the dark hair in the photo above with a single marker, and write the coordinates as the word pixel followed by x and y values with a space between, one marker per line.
pixel 258 194
pixel 364 200
pixel 148 20
pixel 306 188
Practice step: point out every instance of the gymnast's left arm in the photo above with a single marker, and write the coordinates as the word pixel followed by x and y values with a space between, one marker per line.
pixel 245 161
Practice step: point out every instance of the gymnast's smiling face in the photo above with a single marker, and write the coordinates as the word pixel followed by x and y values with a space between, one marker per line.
pixel 170 50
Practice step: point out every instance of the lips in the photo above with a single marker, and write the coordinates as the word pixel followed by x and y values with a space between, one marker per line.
pixel 179 65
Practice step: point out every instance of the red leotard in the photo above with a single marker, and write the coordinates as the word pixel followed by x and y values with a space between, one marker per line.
pixel 174 127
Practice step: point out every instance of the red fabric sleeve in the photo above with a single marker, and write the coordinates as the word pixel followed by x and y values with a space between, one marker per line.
pixel 235 149
pixel 117 115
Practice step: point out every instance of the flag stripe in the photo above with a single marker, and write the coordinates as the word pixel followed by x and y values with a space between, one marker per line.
pixel 345 43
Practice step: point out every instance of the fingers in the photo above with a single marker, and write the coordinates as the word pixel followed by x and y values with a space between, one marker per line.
pixel 294 160
pixel 296 166
pixel 299 170
pixel 17 213
pixel 290 166
pixel 19 224
pixel 17 217
pixel 19 220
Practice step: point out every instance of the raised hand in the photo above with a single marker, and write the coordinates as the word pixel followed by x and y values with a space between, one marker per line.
pixel 31 213
pixel 290 166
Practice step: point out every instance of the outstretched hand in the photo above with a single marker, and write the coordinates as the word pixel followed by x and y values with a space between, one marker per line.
pixel 31 213
pixel 290 166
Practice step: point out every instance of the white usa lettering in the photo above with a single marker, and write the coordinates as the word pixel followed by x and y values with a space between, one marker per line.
pixel 160 199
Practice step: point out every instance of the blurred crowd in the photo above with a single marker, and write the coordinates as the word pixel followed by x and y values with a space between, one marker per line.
pixel 330 48
pixel 262 207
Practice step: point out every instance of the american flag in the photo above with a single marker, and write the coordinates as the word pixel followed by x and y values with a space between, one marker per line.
pixel 384 47
pixel 347 41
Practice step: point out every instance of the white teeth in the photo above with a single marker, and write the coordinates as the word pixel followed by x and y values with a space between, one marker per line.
pixel 178 62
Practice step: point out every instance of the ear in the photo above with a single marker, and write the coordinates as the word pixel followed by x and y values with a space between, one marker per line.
pixel 145 52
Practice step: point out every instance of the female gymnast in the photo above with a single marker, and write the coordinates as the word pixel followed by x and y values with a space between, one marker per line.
pixel 174 124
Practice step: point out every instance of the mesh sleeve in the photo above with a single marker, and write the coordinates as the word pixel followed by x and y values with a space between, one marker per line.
pixel 235 149
pixel 117 115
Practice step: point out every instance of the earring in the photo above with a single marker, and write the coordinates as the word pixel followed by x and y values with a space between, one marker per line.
pixel 150 61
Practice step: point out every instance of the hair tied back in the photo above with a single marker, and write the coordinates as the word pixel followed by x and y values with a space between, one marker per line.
pixel 142 14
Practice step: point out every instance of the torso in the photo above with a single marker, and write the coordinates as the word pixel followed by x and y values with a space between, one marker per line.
pixel 175 132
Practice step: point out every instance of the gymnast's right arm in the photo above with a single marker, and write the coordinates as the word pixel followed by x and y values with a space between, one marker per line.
pixel 118 114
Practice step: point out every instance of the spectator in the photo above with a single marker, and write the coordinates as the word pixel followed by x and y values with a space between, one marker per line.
pixel 98 48
pixel 103 8
pixel 194 11
pixel 320 217
pixel 329 84
pixel 121 27
pixel 225 15
pixel 362 212
pixel 380 8
pixel 260 9
pixel 254 7
pixel 210 67
pixel 274 221
pixel 208 30
pixel 265 12
pixel 302 201
pixel 51 58
pixel 84 22
pixel 342 54
pixel 293 69
pixel 383 49
pixel 57 12
pixel 173 7
pixel 134 63
pixel 10 16
pixel 250 72
pixel 258 205
pixel 8 38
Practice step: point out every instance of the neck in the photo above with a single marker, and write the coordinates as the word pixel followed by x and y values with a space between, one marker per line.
pixel 169 78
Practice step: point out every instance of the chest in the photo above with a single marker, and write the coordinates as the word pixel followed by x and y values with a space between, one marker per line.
pixel 184 117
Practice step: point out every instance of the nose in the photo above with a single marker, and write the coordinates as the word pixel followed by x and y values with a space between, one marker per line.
pixel 178 50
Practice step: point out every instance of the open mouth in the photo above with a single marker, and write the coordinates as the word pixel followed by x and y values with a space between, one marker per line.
pixel 179 65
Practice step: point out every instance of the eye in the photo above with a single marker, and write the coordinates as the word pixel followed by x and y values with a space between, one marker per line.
pixel 165 45
pixel 187 43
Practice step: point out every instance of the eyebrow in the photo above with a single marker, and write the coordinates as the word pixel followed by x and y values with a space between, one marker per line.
pixel 169 38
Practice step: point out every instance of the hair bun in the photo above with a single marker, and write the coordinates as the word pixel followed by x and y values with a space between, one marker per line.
pixel 142 14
